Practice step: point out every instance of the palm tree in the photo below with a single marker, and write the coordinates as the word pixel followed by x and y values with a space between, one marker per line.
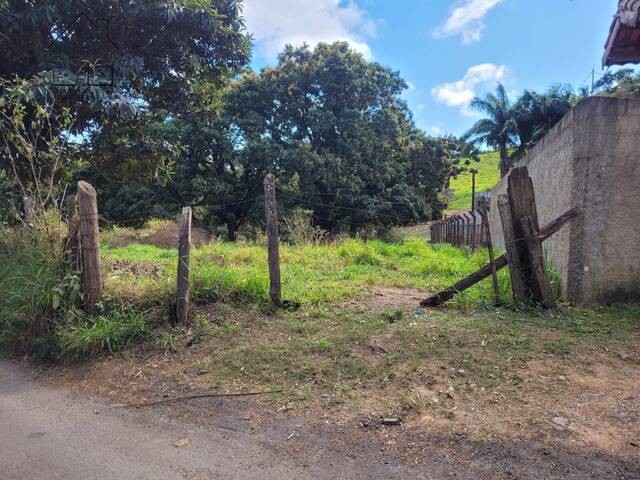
pixel 537 113
pixel 499 129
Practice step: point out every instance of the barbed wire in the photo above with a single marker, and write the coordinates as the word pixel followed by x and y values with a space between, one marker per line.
pixel 358 210
pixel 342 195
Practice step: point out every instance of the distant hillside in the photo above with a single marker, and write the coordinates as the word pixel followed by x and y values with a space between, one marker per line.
pixel 488 175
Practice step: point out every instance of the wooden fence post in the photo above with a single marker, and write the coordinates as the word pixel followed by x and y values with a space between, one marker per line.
pixel 271 213
pixel 513 256
pixel 540 280
pixel 473 231
pixel 522 203
pixel 460 230
pixel 89 245
pixel 494 271
pixel 183 288
pixel 72 242
pixel 467 233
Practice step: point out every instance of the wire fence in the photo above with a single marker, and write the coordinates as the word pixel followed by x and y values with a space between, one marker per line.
pixel 466 229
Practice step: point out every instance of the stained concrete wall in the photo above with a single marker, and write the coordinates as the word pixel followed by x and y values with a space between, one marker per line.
pixel 591 159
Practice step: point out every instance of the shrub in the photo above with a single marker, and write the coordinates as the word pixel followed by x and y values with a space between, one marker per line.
pixel 110 332
pixel 35 288
pixel 301 231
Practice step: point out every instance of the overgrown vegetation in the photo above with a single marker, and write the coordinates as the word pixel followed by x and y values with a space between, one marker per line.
pixel 40 305
pixel 312 273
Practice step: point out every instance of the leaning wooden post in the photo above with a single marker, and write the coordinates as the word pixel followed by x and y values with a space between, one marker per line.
pixel 183 290
pixel 487 230
pixel 89 245
pixel 501 262
pixel 271 213
pixel 72 243
pixel 513 256
pixel 540 279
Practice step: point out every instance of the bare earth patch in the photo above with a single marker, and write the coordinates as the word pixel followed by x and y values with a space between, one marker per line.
pixel 479 395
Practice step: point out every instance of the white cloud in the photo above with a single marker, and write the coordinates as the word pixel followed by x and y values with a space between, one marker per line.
pixel 467 20
pixel 275 23
pixel 435 131
pixel 460 93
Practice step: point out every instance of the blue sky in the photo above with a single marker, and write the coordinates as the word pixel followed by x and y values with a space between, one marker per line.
pixel 448 50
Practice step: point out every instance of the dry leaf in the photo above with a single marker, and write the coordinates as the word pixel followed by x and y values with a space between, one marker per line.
pixel 182 442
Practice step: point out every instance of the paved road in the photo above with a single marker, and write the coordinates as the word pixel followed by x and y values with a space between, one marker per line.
pixel 47 433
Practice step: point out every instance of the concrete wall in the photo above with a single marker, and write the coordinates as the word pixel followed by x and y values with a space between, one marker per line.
pixel 591 159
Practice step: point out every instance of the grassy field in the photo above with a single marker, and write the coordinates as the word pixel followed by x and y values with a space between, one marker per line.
pixel 311 274
pixel 357 347
pixel 488 175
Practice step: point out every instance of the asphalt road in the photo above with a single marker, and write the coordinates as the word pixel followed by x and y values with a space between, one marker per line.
pixel 49 433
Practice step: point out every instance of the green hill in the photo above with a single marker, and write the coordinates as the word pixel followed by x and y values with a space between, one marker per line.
pixel 488 176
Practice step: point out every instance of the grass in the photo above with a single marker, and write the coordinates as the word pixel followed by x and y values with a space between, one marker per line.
pixel 359 357
pixel 487 177
pixel 342 348
pixel 311 275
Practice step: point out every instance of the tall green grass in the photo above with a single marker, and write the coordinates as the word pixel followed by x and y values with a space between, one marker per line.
pixel 40 312
pixel 311 274
pixel 30 283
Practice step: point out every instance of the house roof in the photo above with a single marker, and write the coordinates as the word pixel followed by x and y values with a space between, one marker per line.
pixel 623 43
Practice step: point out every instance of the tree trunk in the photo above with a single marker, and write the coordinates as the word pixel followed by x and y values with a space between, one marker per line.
pixel 232 230
pixel 505 162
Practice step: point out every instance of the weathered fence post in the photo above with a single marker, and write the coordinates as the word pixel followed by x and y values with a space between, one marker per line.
pixel 539 278
pixel 72 242
pixel 272 239
pixel 522 202
pixel 459 231
pixel 473 231
pixel 467 233
pixel 89 245
pixel 484 208
pixel 183 290
pixel 513 256
pixel 473 188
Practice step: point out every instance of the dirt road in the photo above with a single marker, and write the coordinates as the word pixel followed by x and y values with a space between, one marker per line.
pixel 50 433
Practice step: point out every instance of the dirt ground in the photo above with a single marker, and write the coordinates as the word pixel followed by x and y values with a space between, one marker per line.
pixel 555 417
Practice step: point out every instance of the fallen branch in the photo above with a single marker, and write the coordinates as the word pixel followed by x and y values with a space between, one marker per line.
pixel 501 262
pixel 205 395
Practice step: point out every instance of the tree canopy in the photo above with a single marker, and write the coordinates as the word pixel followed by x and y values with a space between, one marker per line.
pixel 108 57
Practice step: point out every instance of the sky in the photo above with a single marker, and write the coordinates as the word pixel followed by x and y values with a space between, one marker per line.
pixel 448 51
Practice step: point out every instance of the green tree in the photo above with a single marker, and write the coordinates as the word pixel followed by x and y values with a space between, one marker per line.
pixel 128 73
pixel 499 129
pixel 537 113
pixel 338 134
pixel 108 57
